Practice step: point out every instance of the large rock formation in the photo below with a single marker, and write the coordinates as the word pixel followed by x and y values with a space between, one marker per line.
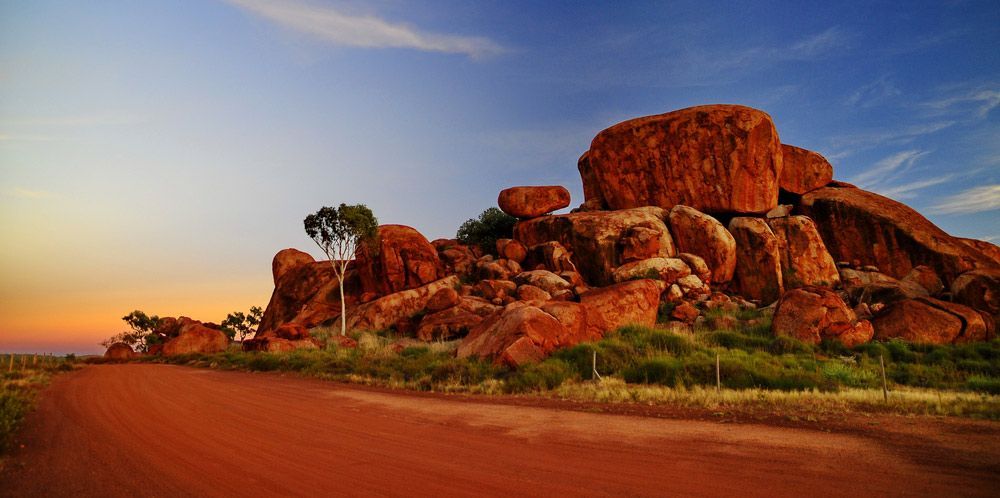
pixel 195 337
pixel 455 321
pixel 389 310
pixel 878 231
pixel 516 335
pixel 930 321
pixel 979 289
pixel 804 258
pixel 758 260
pixel 306 291
pixel 593 237
pixel 803 170
pixel 629 303
pixel 698 233
pixel 988 249
pixel 715 158
pixel 399 258
pixel 531 202
pixel 811 314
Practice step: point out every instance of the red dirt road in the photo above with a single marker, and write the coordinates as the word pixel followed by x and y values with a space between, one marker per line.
pixel 158 430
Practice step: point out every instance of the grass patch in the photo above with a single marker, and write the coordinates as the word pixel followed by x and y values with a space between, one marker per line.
pixel 18 386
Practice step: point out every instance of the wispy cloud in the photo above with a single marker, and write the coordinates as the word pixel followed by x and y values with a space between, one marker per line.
pixel 892 176
pixel 873 93
pixel 973 200
pixel 980 101
pixel 334 26
pixel 888 168
pixel 909 190
pixel 846 145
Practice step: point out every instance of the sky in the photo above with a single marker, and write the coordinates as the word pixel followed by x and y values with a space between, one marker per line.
pixel 155 155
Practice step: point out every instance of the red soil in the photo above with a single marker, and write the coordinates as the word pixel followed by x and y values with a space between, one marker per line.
pixel 158 430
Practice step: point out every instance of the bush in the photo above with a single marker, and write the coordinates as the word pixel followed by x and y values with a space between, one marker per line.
pixel 980 383
pixel 548 374
pixel 666 371
pixel 491 225
pixel 645 339
pixel 14 404
pixel 736 340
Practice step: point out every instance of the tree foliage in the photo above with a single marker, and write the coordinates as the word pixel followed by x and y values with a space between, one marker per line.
pixel 340 233
pixel 142 333
pixel 242 324
pixel 484 231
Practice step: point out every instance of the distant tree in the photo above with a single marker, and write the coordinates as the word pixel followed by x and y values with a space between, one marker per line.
pixel 491 225
pixel 242 324
pixel 339 233
pixel 142 333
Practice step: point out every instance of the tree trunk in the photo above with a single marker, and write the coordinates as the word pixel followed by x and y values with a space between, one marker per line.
pixel 343 303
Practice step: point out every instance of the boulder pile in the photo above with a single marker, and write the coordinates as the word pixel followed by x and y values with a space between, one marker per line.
pixel 680 216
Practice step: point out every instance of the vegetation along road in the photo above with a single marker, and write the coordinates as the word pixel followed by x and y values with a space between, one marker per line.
pixel 161 430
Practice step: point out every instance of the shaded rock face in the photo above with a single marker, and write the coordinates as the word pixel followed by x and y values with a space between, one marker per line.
pixel 925 277
pixel 394 308
pixel 521 333
pixel 876 288
pixel 512 250
pixel 456 258
pixel 758 260
pixel 988 249
pixel 979 289
pixel 803 170
pixel 550 256
pixel 715 158
pixel 119 351
pixel 194 337
pixel 811 314
pixel 668 270
pixel 531 202
pixel 455 321
pixel 875 230
pixel 593 237
pixel 804 258
pixel 931 321
pixel 698 233
pixel 399 258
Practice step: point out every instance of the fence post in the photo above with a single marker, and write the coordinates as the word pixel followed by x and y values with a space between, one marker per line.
pixel 10 367
pixel 718 375
pixel 885 387
pixel 593 367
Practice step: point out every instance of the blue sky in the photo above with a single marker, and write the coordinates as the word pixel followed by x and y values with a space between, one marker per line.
pixel 155 155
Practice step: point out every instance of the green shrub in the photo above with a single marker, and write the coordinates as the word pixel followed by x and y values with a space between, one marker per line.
pixel 735 340
pixel 548 374
pixel 666 371
pixel 980 383
pixel 14 405
pixel 484 231
pixel 788 345
pixel 646 339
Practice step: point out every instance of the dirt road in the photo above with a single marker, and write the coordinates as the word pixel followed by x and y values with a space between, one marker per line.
pixel 157 430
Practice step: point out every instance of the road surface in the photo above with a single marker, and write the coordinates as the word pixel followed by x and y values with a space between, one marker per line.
pixel 160 430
